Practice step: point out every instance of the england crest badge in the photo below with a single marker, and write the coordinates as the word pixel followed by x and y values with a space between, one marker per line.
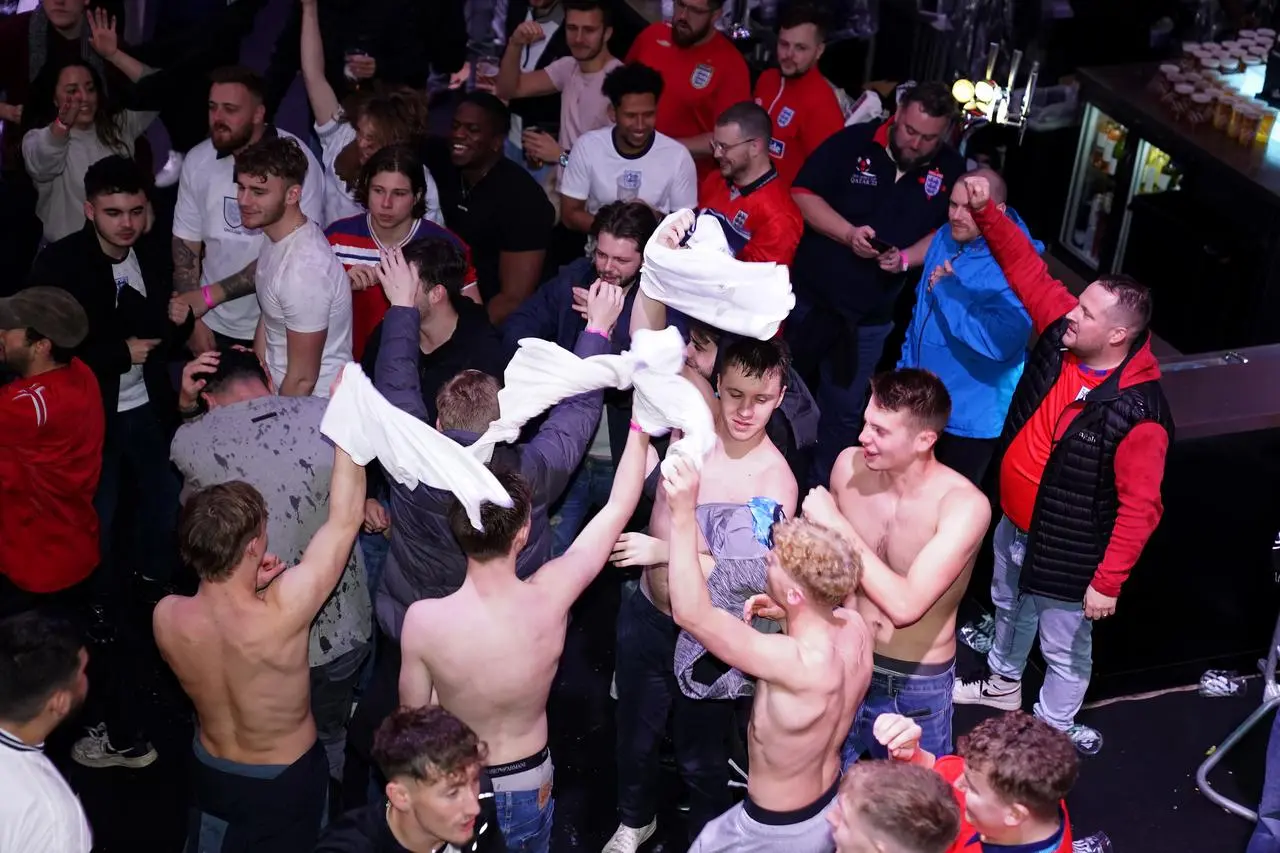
pixel 785 117
pixel 932 183
pixel 701 76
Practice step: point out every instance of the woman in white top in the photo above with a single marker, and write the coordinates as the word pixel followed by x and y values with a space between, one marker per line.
pixel 80 128
pixel 348 141
pixel 85 128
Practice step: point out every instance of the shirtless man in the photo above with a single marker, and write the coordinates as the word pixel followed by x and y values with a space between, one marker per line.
pixel 489 652
pixel 239 648
pixel 743 468
pixel 917 526
pixel 810 678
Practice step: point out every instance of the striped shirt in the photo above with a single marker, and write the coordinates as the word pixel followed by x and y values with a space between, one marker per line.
pixel 355 244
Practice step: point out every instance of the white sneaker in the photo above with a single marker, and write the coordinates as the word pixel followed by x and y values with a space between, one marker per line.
pixel 95 750
pixel 171 172
pixel 627 839
pixel 995 691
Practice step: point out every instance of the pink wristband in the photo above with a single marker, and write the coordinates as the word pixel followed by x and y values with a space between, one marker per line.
pixel 906 265
pixel 601 332
pixel 208 300
pixel 635 427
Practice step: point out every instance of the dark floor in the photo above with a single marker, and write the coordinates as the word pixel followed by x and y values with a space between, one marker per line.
pixel 1140 790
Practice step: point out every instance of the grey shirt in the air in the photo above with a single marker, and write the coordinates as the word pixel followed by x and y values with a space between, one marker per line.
pixel 274 444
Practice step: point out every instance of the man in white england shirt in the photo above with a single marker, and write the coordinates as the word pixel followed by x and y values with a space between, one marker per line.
pixel 304 331
pixel 215 254
pixel 42 682
pixel 629 160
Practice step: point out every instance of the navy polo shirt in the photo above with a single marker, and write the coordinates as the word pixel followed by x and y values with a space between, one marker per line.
pixel 853 172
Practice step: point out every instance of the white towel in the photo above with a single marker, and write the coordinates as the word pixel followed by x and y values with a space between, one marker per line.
pixel 542 374
pixel 704 281
pixel 364 424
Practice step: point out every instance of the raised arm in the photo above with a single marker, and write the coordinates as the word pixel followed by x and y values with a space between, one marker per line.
pixel 963 518
pixel 301 591
pixel 104 39
pixel 773 657
pixel 1046 299
pixel 323 100
pixel 44 150
pixel 512 82
pixel 396 374
pixel 551 456
pixel 565 577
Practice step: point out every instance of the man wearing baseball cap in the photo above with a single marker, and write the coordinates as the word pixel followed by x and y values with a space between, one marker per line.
pixel 50 455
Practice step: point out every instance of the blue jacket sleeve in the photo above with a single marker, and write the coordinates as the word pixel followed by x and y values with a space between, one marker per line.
pixel 539 315
pixel 909 357
pixel 996 326
pixel 549 459
pixel 396 376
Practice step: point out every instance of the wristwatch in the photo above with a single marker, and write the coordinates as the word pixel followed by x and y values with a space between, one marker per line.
pixel 564 159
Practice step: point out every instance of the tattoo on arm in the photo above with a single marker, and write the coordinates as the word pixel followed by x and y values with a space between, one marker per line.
pixel 186 266
pixel 242 283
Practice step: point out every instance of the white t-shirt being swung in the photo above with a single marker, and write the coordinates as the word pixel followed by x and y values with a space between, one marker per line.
pixel 38 810
pixel 303 288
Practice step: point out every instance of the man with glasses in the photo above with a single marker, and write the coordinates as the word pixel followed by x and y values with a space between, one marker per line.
pixel 702 71
pixel 747 192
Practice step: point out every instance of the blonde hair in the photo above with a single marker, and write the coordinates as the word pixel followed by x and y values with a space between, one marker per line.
pixel 820 559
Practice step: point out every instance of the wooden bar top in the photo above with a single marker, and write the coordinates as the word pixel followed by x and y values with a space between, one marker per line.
pixel 1121 92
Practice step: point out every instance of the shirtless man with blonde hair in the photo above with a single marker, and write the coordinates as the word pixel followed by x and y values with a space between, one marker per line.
pixel 239 648
pixel 916 526
pixel 810 678
pixel 489 652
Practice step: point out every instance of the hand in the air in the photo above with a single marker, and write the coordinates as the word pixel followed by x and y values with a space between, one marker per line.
pixel 399 281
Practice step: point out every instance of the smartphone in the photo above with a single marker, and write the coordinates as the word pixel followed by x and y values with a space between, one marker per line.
pixel 879 245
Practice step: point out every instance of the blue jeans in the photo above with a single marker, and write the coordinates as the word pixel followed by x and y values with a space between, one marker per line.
pixel 926 699
pixel 648 697
pixel 1066 637
pixel 1266 837
pixel 841 406
pixel 374 548
pixel 526 828
pixel 589 489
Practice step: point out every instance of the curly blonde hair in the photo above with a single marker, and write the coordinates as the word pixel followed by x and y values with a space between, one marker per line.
pixel 820 559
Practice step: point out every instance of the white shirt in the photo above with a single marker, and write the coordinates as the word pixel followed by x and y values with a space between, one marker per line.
pixel 133 391
pixel 303 288
pixel 339 203
pixel 664 175
pixel 207 213
pixel 38 810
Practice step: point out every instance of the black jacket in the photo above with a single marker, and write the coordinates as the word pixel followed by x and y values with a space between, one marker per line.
pixel 77 264
pixel 1076 504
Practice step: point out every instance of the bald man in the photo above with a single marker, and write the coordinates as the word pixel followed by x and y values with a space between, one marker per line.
pixel 970 329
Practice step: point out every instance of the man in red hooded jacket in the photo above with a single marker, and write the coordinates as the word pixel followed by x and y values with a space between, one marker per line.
pixel 51 428
pixel 1086 438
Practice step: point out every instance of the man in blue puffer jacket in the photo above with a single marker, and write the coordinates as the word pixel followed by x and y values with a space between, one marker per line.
pixel 971 330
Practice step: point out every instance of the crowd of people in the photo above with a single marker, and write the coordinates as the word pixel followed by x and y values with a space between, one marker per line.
pixel 362 412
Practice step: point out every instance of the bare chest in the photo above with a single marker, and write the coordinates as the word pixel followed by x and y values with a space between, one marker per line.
pixel 896 527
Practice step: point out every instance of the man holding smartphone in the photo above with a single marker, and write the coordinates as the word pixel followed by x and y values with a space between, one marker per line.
pixel 871 197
